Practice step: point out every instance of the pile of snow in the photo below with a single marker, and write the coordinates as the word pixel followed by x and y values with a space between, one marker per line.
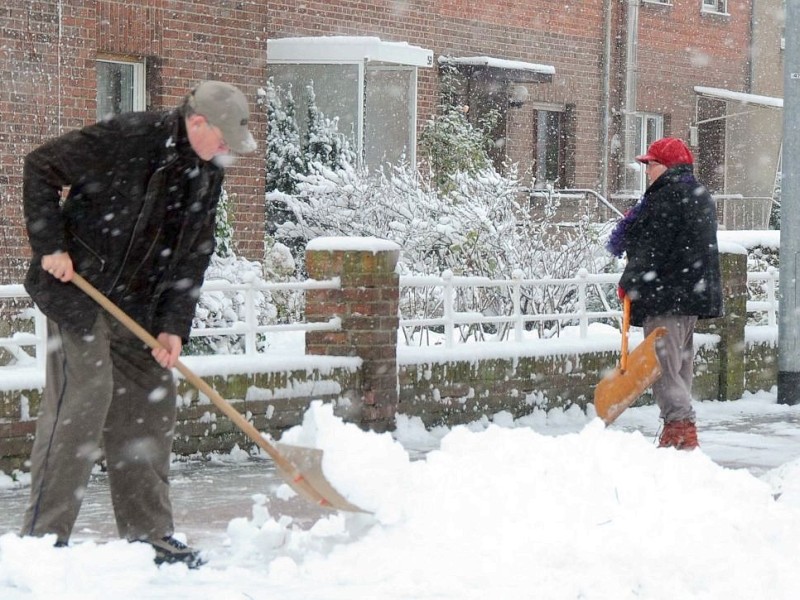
pixel 490 512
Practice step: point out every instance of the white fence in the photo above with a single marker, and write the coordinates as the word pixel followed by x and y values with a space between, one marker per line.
pixel 250 327
pixel 458 324
pixel 443 309
pixel 768 281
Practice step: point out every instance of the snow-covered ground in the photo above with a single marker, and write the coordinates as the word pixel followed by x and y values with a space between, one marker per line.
pixel 552 506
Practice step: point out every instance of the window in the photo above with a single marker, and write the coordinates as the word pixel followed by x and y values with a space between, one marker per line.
pixel 715 6
pixel 370 86
pixel 551 152
pixel 120 87
pixel 647 129
pixel 710 153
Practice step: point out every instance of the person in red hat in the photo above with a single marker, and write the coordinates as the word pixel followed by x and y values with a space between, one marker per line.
pixel 672 275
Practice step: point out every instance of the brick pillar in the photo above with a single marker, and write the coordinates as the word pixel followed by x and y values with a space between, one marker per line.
pixel 730 327
pixel 367 304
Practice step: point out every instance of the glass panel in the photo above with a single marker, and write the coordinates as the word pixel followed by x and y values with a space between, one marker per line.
pixel 387 135
pixel 547 130
pixel 634 173
pixel 653 131
pixel 115 91
pixel 648 128
pixel 335 89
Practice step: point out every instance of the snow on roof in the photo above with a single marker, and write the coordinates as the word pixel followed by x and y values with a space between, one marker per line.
pixel 499 63
pixel 346 49
pixel 740 97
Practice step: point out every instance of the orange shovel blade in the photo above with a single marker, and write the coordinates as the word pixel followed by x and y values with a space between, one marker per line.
pixel 619 389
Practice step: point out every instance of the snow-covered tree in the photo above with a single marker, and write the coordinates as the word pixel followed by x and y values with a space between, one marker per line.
pixel 284 151
pixel 223 229
pixel 290 156
pixel 449 144
pixel 325 146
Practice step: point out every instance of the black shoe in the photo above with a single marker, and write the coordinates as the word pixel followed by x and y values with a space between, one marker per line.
pixel 170 551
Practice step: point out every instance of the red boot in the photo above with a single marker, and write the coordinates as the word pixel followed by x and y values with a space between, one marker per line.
pixel 679 434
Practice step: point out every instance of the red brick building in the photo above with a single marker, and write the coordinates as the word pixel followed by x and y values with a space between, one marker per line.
pixel 582 86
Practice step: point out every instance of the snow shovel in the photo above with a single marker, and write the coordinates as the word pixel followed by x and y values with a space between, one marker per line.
pixel 300 467
pixel 637 371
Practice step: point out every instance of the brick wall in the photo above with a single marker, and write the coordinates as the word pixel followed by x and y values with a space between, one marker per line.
pixel 446 392
pixel 49 85
pixel 50 48
pixel 693 49
pixel 569 38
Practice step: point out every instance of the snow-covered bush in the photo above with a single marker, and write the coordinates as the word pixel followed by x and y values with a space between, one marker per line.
pixel 461 215
pixel 284 152
pixel 481 228
pixel 225 308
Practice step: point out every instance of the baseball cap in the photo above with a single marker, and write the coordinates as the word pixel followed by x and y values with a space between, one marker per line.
pixel 669 152
pixel 225 106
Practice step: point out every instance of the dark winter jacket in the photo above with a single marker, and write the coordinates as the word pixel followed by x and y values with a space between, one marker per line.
pixel 138 220
pixel 671 246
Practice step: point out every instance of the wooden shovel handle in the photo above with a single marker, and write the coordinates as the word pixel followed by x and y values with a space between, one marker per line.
pixel 626 325
pixel 234 415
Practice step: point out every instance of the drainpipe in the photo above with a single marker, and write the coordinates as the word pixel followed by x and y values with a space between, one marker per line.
pixel 631 78
pixel 605 111
pixel 788 323
pixel 58 57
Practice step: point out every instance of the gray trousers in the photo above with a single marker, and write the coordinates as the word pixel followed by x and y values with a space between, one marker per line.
pixel 103 386
pixel 673 391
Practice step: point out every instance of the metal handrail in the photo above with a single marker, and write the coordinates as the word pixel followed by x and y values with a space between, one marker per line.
pixel 595 193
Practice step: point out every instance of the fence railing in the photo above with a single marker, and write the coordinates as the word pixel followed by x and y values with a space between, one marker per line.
pixel 768 306
pixel 735 211
pixel 251 328
pixel 443 310
pixel 18 340
pixel 456 322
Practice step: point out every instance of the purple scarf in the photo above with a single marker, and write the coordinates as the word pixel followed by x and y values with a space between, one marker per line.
pixel 616 243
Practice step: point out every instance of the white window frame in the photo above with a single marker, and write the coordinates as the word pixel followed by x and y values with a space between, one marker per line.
pixel 356 51
pixel 643 142
pixel 139 98
pixel 714 6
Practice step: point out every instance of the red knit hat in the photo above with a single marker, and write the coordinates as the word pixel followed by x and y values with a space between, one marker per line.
pixel 669 152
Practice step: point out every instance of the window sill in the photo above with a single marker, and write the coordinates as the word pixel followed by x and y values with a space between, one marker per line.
pixel 713 13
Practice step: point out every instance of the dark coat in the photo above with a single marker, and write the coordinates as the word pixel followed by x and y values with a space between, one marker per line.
pixel 673 259
pixel 138 221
